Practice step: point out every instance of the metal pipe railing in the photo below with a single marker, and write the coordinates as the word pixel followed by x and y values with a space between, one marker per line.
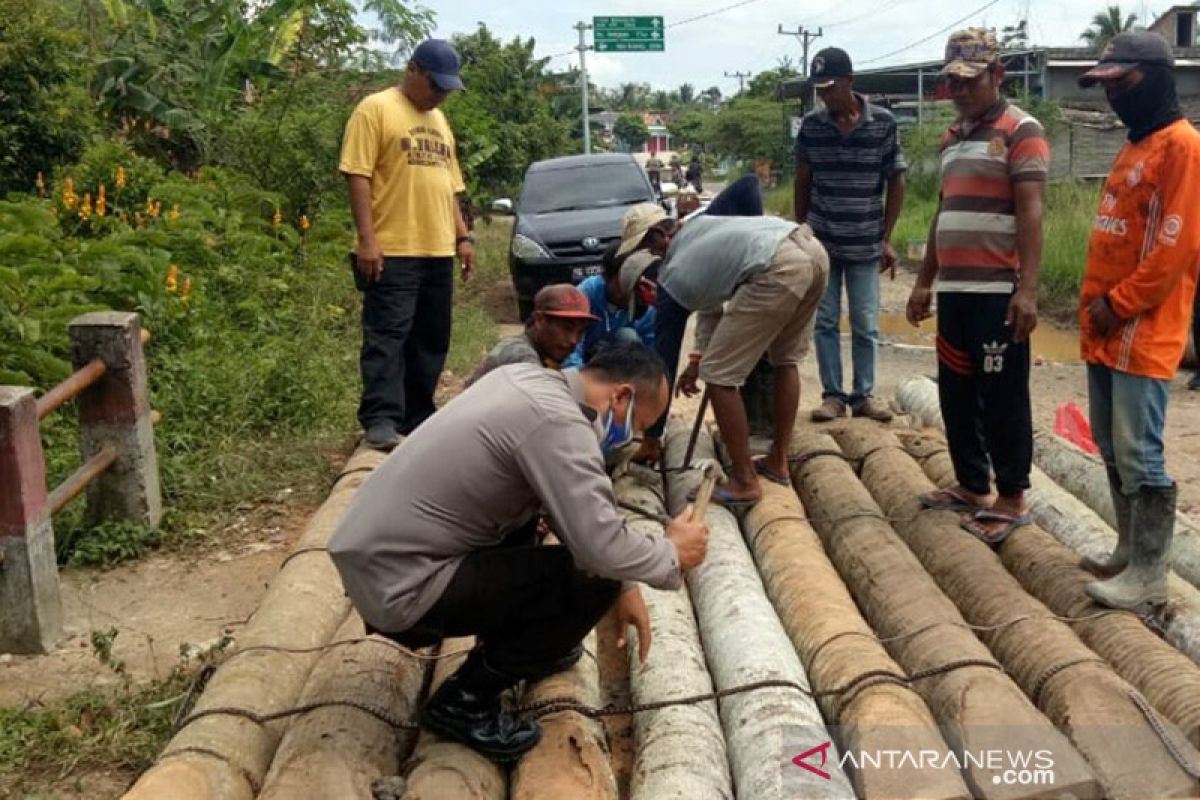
pixel 75 385
pixel 71 388
pixel 71 488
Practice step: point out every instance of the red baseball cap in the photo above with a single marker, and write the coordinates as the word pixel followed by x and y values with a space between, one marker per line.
pixel 563 300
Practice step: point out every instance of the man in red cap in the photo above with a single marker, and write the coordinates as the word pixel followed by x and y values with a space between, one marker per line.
pixel 561 315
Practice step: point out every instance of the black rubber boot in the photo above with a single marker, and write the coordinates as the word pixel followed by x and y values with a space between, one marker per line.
pixel 1123 507
pixel 466 709
pixel 1142 585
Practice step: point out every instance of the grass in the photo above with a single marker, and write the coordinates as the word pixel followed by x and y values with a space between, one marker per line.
pixel 219 458
pixel 1066 227
pixel 117 732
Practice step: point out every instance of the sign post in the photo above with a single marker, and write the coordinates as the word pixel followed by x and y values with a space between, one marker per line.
pixel 628 34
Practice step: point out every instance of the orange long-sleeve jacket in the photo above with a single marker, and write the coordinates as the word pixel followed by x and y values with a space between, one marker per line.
pixel 1144 254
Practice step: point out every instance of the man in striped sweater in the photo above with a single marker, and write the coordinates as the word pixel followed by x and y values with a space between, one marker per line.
pixel 985 248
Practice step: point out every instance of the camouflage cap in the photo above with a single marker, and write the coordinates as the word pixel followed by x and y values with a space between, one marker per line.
pixel 970 51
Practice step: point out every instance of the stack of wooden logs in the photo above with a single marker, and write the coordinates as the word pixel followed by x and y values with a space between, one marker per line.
pixel 834 619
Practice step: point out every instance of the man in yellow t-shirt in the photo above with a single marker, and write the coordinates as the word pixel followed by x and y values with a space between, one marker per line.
pixel 398 156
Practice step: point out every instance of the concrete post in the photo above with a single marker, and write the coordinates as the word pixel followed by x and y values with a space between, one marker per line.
pixel 116 412
pixel 30 609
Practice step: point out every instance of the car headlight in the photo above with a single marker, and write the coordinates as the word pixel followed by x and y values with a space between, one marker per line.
pixel 524 247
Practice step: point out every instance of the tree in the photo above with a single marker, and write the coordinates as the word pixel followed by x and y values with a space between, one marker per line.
pixel 1107 24
pixel 1015 37
pixel 766 83
pixel 686 93
pixel 752 128
pixel 631 130
pixel 506 120
pixel 691 128
pixel 711 97
pixel 45 116
pixel 632 97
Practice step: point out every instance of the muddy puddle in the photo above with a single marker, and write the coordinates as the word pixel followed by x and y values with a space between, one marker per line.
pixel 1056 345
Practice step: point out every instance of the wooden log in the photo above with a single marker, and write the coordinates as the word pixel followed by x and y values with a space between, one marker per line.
pixel 440 769
pixel 339 751
pixel 1073 523
pixel 839 649
pixel 1084 476
pixel 571 760
pixel 1075 688
pixel 680 749
pixel 226 757
pixel 744 642
pixel 1079 473
pixel 978 706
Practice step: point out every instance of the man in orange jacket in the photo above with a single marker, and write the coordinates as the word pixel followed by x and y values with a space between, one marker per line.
pixel 1135 308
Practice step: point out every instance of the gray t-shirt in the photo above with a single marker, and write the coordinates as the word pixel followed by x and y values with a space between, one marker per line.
pixel 712 256
pixel 479 468
pixel 513 350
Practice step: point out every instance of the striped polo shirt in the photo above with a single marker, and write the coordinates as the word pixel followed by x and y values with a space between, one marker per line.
pixel 977 224
pixel 846 202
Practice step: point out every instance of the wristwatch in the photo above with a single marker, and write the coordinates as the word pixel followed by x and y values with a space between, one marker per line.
pixel 468 238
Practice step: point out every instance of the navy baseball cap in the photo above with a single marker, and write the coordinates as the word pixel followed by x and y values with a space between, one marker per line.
pixel 828 65
pixel 439 58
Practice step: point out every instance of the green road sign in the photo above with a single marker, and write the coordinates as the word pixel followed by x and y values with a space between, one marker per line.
pixel 628 34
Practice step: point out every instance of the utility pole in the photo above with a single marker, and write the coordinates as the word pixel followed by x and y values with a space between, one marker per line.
pixel 741 79
pixel 804 36
pixel 583 85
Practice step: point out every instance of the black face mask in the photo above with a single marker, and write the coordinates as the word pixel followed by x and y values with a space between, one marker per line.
pixel 1150 105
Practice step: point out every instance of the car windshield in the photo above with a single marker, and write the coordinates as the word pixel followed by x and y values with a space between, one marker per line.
pixel 588 186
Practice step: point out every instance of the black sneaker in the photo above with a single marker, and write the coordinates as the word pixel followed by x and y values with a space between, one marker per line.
pixel 382 436
pixel 473 716
pixel 1194 383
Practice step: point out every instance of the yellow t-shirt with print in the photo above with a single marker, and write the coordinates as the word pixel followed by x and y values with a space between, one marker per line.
pixel 409 156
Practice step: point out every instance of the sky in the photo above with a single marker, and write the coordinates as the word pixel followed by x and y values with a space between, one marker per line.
pixel 746 39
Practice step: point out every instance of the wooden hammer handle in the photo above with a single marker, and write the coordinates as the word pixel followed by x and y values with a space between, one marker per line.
pixel 704 494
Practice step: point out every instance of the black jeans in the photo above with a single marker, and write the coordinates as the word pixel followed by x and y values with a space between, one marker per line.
pixel 406 325
pixel 528 606
pixel 983 385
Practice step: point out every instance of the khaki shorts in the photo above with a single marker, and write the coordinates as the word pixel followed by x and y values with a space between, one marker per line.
pixel 773 312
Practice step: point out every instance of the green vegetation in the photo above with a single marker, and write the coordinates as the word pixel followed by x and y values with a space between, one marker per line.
pixel 180 160
pixel 116 731
pixel 1069 209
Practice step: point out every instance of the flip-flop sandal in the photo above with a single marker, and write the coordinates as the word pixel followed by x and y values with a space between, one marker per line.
pixel 764 471
pixel 1011 523
pixel 948 500
pixel 722 497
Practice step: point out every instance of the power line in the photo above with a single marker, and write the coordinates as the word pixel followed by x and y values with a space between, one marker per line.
pixel 712 13
pixel 872 12
pixel 933 35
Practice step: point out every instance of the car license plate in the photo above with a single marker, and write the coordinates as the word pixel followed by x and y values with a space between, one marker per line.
pixel 579 273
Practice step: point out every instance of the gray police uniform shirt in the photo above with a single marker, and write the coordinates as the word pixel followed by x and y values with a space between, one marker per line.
pixel 476 470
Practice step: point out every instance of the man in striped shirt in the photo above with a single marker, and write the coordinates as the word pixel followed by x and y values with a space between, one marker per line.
pixel 845 154
pixel 985 247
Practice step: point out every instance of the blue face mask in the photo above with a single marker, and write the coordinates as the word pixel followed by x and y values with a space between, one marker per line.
pixel 614 436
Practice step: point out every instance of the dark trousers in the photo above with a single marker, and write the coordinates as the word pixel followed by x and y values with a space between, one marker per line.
pixel 528 605
pixel 742 198
pixel 406 324
pixel 983 384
